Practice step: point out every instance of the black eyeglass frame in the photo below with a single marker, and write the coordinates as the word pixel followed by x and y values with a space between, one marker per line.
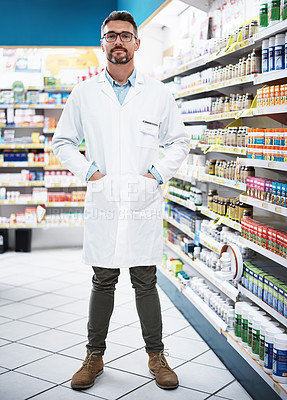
pixel 119 34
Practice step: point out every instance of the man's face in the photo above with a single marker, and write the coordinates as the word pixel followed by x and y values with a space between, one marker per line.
pixel 119 52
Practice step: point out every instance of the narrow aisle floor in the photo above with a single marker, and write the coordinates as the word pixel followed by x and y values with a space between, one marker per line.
pixel 43 316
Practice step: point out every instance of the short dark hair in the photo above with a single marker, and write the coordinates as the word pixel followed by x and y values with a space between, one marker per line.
pixel 120 16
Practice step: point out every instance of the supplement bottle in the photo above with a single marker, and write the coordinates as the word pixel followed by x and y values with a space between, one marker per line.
pixel 263 14
pixel 280 51
pixel 265 55
pixel 271 51
pixel 270 334
pixel 255 63
pixel 280 358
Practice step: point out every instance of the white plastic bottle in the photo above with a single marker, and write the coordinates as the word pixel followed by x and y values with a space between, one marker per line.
pixel 271 52
pixel 280 358
pixel 269 345
pixel 286 50
pixel 225 262
pixel 265 55
pixel 280 51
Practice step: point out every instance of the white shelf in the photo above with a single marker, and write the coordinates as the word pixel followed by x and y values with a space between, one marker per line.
pixel 225 182
pixel 22 184
pixel 208 87
pixel 181 227
pixel 186 203
pixel 21 146
pixel 65 204
pixel 281 166
pixel 35 106
pixel 21 164
pixel 210 243
pixel 264 204
pixel 281 390
pixel 20 202
pixel 270 76
pixel 58 185
pixel 223 149
pixel 199 304
pixel 194 117
pixel 267 253
pixel 224 286
pixel 225 221
pixel 270 31
pixel 183 177
pixel 281 109
pixel 275 314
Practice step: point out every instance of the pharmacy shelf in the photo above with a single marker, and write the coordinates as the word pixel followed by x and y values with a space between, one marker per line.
pixel 275 314
pixel 22 184
pixel 21 164
pixel 65 204
pixel 20 202
pixel 281 166
pixel 222 220
pixel 280 389
pixel 22 146
pixel 186 203
pixel 49 130
pixel 24 126
pixel 264 204
pixel 200 305
pixel 267 253
pixel 225 182
pixel 210 243
pixel 224 286
pixel 183 177
pixel 20 226
pixel 225 56
pixel 54 168
pixel 44 225
pixel 36 106
pixel 181 227
pixel 206 148
pixel 281 109
pixel 58 185
pixel 207 117
pixel 210 87
pixel 272 30
pixel 270 76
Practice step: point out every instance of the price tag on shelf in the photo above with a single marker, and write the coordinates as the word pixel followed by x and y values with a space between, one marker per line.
pixel 264 205
pixel 32 105
pixel 2 201
pixel 235 149
pixel 12 202
pixel 243 199
pixel 278 210
pixel 5 184
pixel 271 164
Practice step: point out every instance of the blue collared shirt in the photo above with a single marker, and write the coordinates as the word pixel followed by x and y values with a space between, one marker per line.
pixel 121 92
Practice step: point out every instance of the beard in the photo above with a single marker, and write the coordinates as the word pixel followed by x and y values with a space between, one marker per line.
pixel 123 59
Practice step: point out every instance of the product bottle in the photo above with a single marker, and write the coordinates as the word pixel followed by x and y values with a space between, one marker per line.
pixel 255 63
pixel 271 53
pixel 280 51
pixel 263 14
pixel 265 55
pixel 274 11
pixel 284 12
pixel 279 358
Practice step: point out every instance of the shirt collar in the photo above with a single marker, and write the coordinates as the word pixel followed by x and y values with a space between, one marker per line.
pixel 131 79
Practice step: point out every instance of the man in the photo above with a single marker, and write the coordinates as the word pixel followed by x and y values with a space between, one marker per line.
pixel 124 118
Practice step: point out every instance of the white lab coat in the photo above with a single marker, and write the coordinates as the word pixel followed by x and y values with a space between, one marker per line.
pixel 122 220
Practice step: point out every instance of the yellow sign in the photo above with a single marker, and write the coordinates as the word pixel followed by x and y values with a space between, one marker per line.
pixel 77 59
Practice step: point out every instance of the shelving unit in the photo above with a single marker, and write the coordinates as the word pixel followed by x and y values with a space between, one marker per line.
pixel 225 182
pixel 264 204
pixel 186 203
pixel 267 253
pixel 224 286
pixel 224 220
pixel 280 166
pixel 223 149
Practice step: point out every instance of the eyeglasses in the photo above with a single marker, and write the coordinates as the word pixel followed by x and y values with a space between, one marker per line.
pixel 124 36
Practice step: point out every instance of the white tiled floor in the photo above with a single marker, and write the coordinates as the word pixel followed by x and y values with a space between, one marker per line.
pixel 43 316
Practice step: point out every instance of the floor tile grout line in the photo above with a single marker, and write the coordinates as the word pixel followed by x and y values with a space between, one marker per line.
pixel 131 373
pixel 131 391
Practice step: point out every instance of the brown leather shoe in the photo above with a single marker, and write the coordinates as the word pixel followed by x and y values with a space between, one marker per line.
pixel 92 367
pixel 165 377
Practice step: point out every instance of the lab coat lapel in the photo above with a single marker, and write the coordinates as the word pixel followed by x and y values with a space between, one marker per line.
pixel 106 87
pixel 135 90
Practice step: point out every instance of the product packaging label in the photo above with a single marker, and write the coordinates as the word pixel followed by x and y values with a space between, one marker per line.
pixel 268 356
pixel 280 362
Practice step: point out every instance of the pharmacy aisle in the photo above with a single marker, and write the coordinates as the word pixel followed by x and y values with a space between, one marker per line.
pixel 43 317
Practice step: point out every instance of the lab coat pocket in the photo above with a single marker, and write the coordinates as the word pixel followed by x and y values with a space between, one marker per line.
pixel 146 194
pixel 148 134
pixel 100 198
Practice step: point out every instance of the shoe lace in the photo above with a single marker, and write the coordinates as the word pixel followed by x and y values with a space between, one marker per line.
pixel 88 359
pixel 162 359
